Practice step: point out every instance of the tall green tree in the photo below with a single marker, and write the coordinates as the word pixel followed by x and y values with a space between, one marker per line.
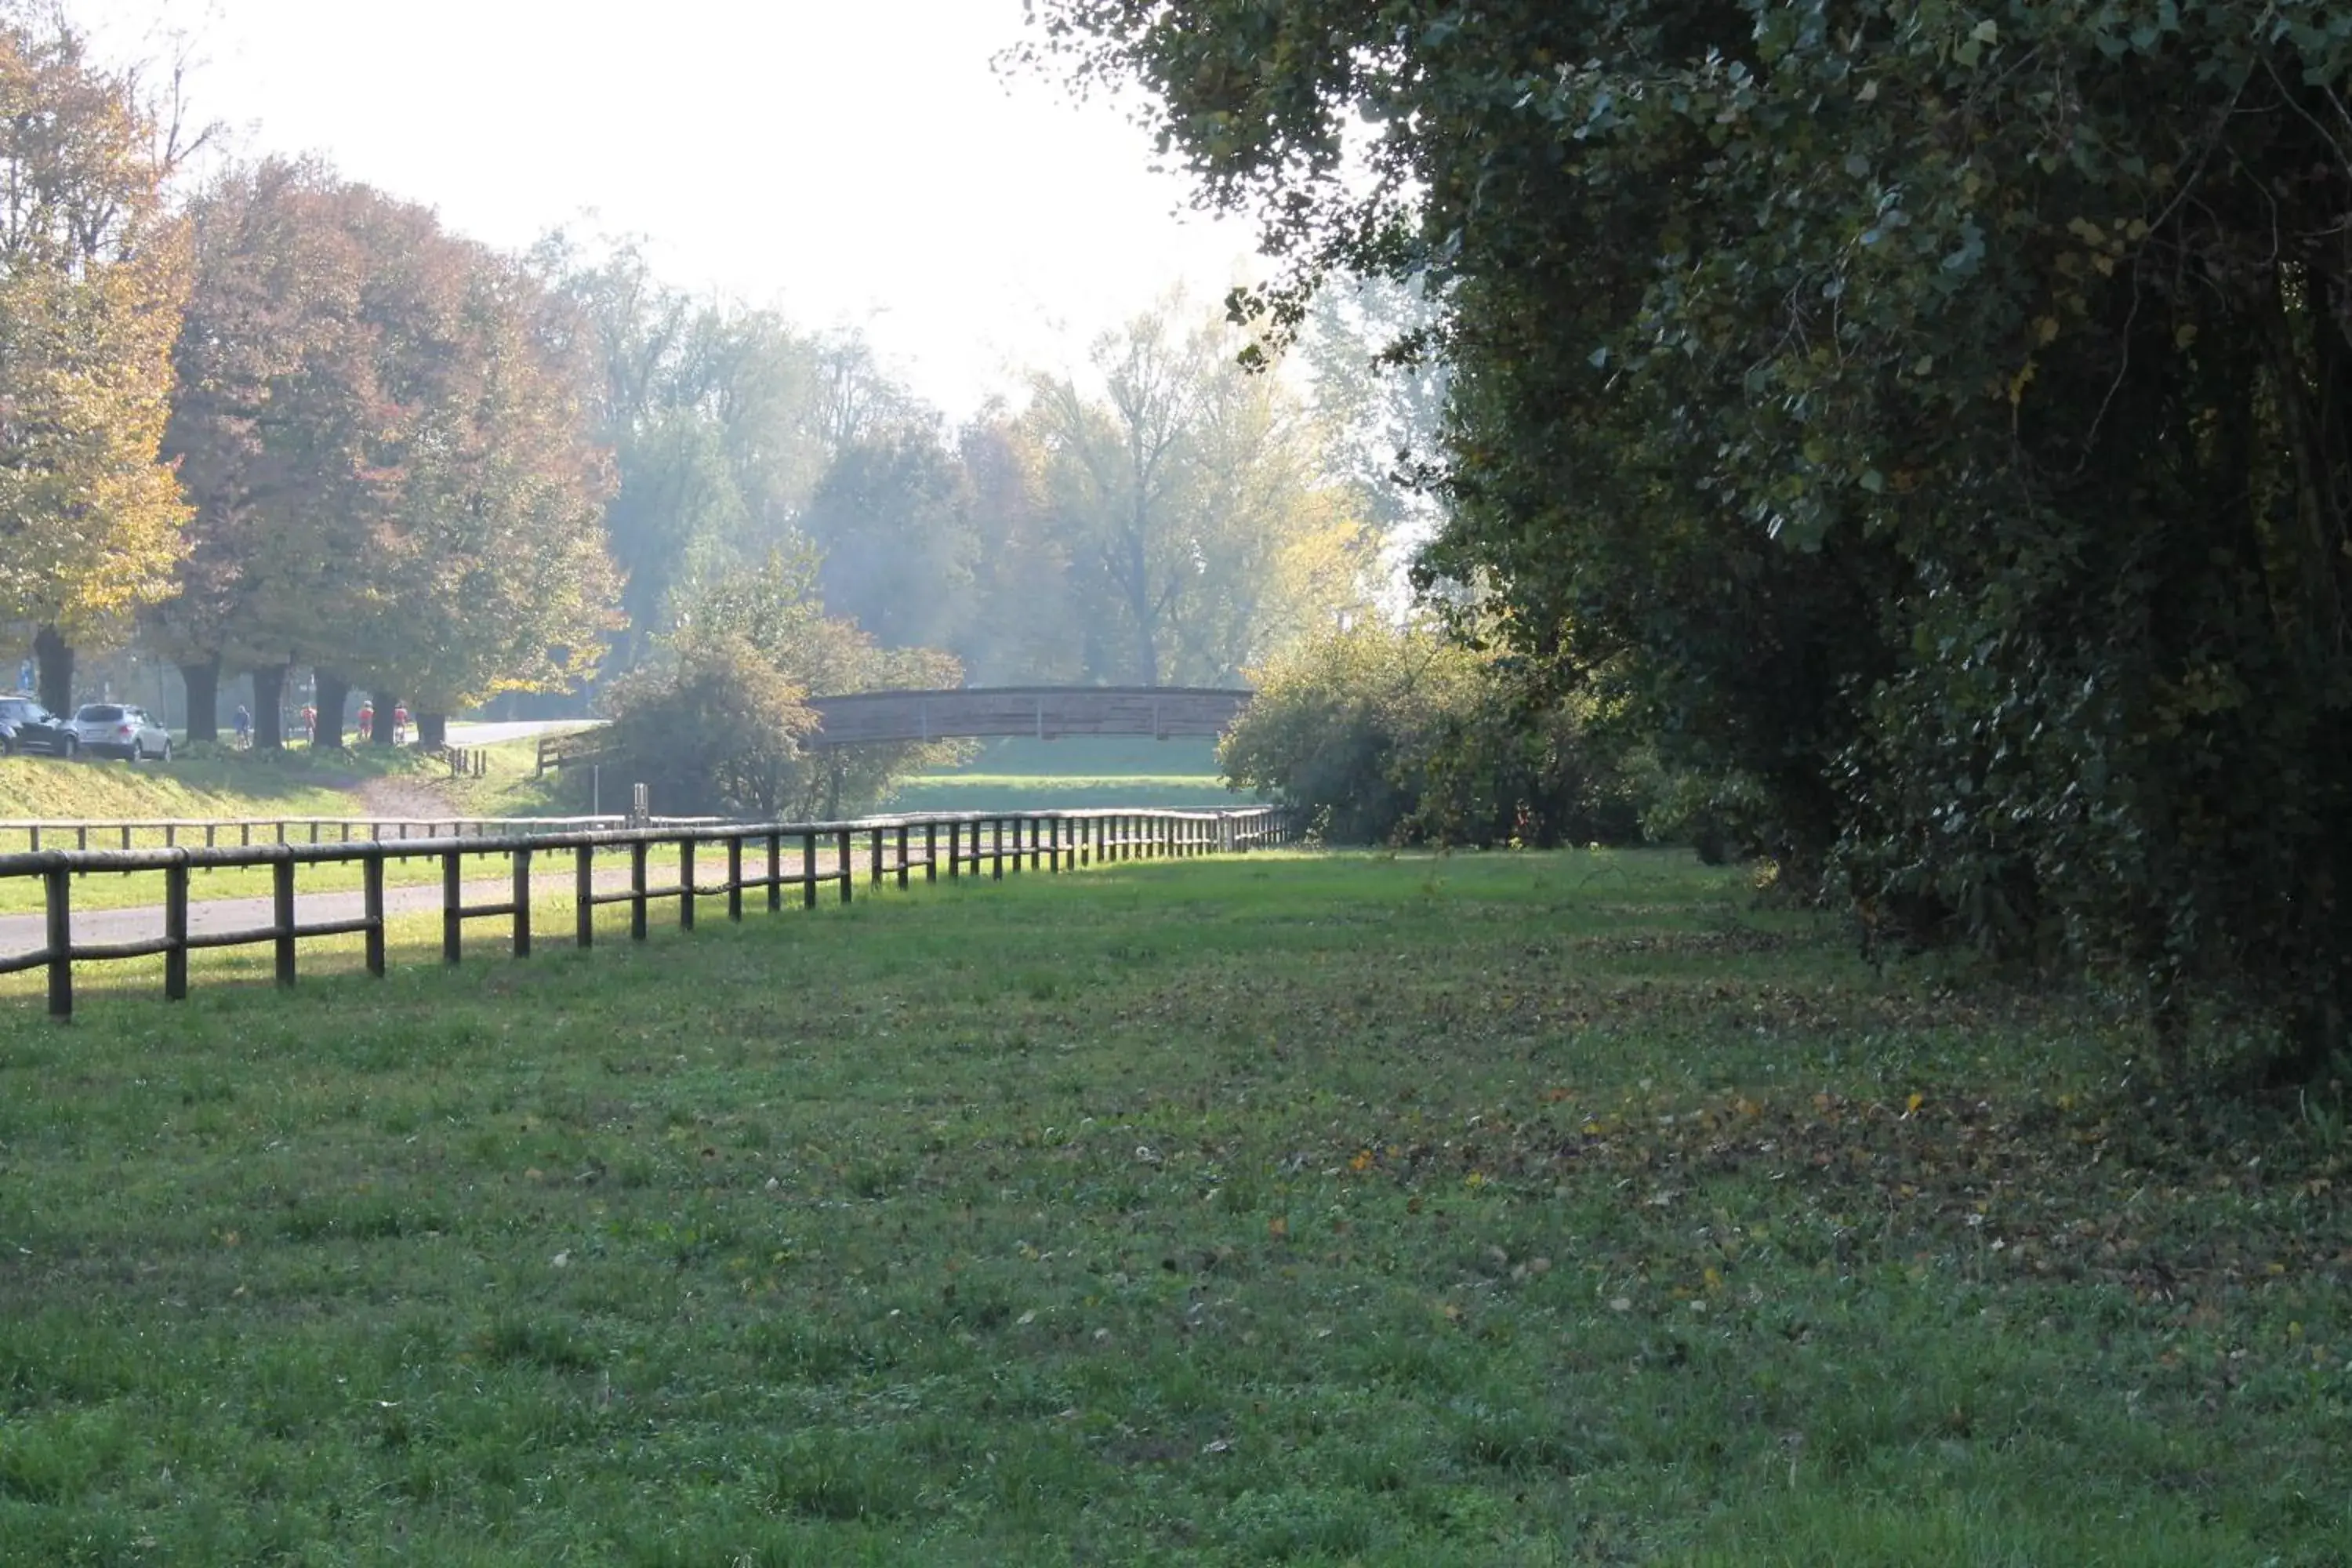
pixel 1188 498
pixel 93 268
pixel 1933 417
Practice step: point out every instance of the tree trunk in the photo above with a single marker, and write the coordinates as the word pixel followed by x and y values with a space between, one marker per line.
pixel 432 729
pixel 202 678
pixel 56 658
pixel 269 707
pixel 334 696
pixel 386 704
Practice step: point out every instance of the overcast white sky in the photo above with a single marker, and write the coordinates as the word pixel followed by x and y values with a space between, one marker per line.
pixel 855 163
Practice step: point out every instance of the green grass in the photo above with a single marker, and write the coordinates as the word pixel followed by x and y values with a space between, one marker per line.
pixel 1510 1209
pixel 1076 772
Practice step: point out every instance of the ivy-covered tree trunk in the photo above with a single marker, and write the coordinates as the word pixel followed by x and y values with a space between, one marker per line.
pixel 202 677
pixel 56 658
pixel 334 696
pixel 432 729
pixel 269 707
pixel 386 704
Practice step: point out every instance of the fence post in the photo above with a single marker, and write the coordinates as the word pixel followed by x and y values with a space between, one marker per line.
pixel 874 856
pixel 281 877
pixel 996 831
pixel 686 883
pixel 955 851
pixel 372 902
pixel 902 855
pixel 808 870
pixel 735 877
pixel 930 852
pixel 848 861
pixel 584 895
pixel 1053 844
pixel 453 924
pixel 775 871
pixel 522 903
pixel 175 931
pixel 637 889
pixel 57 900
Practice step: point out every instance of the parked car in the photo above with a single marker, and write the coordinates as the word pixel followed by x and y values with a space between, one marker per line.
pixel 117 730
pixel 27 726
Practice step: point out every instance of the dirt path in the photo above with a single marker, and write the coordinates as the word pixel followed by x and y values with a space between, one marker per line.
pixel 411 798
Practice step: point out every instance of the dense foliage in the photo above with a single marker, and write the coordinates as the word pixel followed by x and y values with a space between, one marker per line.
pixel 717 722
pixel 1383 734
pixel 1933 418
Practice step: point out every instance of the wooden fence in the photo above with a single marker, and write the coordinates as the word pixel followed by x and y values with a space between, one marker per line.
pixel 890 846
pixel 245 831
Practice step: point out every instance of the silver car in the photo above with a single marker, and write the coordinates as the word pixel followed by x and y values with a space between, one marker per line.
pixel 119 730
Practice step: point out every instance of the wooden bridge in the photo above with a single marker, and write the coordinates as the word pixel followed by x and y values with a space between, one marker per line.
pixel 1042 712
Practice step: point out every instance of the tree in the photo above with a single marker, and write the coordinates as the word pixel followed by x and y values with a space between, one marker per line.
pixel 1932 420
pixel 383 429
pixel 92 273
pixel 1187 499
pixel 720 724
pixel 892 519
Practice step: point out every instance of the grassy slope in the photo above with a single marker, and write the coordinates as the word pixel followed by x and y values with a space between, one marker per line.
pixel 1537 1210
pixel 229 785
pixel 1077 771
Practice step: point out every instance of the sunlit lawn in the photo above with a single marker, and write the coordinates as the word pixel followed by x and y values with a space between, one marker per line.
pixel 1485 1210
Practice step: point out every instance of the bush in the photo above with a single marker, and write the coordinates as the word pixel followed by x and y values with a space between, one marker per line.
pixel 716 734
pixel 1383 734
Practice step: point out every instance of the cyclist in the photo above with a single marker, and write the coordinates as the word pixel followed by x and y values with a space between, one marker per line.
pixel 244 727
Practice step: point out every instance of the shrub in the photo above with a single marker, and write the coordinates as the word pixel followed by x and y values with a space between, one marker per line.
pixel 1383 734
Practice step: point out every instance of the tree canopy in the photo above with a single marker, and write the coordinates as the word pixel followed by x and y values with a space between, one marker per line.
pixel 1933 418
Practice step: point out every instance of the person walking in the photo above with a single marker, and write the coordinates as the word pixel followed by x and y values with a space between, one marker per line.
pixel 244 727
pixel 400 724
pixel 367 719
pixel 310 725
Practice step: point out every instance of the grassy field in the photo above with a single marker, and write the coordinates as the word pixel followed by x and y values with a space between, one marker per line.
pixel 1073 772
pixel 1508 1209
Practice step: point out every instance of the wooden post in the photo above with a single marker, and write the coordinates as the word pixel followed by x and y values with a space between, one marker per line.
pixel 171 834
pixel 372 898
pixel 584 895
pixel 930 852
pixel 453 925
pixel 902 855
pixel 281 878
pixel 808 870
pixel 57 900
pixel 686 884
pixel 874 856
pixel 847 862
pixel 175 931
pixel 82 837
pixel 522 903
pixel 735 878
pixel 637 890
pixel 1036 845
pixel 996 829
pixel 126 836
pixel 955 851
pixel 775 871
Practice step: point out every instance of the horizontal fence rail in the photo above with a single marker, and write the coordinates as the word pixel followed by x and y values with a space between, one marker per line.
pixel 765 859
pixel 49 832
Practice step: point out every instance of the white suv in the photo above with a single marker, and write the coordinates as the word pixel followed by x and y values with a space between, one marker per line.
pixel 117 730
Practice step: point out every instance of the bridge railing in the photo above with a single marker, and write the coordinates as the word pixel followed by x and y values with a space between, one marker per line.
pixel 763 858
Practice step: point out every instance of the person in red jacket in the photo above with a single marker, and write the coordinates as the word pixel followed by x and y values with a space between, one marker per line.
pixel 400 724
pixel 367 719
